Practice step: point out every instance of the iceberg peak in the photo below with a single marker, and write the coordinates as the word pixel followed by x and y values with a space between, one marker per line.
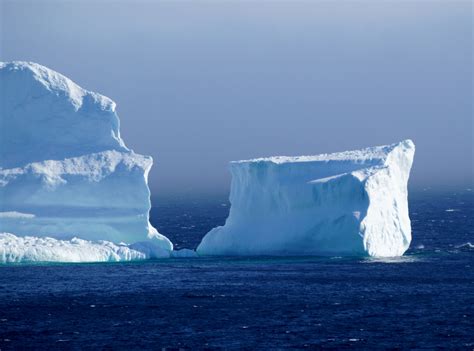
pixel 46 116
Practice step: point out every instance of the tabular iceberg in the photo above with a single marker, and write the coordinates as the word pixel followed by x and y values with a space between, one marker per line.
pixel 65 172
pixel 351 203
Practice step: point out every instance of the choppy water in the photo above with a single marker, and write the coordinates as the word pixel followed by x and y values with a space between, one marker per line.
pixel 422 300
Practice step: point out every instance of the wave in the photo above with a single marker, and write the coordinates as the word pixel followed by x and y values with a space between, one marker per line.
pixel 466 246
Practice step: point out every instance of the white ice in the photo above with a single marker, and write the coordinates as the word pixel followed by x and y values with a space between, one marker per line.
pixel 72 191
pixel 348 203
pixel 15 249
pixel 65 172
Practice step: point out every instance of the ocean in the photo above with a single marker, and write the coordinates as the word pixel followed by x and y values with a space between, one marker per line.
pixel 423 300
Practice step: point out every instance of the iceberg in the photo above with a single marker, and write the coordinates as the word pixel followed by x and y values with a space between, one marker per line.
pixel 352 203
pixel 66 173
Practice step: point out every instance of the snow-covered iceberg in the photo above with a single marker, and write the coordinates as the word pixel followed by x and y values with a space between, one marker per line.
pixel 348 203
pixel 65 172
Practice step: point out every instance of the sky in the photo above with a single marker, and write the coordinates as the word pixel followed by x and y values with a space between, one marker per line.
pixel 200 83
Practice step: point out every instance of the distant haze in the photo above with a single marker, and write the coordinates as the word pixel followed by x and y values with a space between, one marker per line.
pixel 199 84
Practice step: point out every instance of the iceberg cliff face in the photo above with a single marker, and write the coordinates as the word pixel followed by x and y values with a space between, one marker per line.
pixel 349 203
pixel 64 170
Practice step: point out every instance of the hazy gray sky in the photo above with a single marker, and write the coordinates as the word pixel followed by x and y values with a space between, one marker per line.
pixel 198 84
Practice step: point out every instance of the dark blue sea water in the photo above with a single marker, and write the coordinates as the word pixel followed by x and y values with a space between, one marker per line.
pixel 423 300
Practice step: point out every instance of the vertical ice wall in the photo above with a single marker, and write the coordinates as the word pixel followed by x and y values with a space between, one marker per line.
pixel 349 203
pixel 64 169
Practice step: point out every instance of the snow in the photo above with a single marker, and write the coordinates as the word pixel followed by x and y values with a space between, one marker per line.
pixel 351 203
pixel 65 172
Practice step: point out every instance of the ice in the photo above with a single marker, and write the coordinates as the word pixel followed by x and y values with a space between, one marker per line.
pixel 27 249
pixel 14 249
pixel 46 116
pixel 71 190
pixel 341 204
pixel 65 172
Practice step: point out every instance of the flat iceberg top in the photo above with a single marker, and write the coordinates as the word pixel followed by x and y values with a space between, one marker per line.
pixel 368 154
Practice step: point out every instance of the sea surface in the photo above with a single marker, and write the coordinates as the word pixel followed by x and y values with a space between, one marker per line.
pixel 423 300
